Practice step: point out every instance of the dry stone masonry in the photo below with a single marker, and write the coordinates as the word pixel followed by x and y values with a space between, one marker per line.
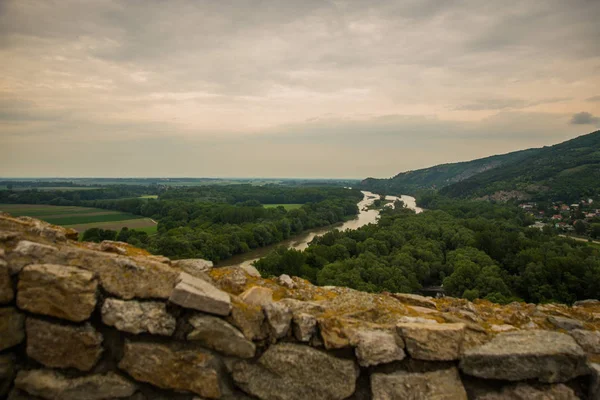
pixel 85 321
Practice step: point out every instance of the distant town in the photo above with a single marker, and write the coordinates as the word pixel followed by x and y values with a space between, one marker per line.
pixel 581 219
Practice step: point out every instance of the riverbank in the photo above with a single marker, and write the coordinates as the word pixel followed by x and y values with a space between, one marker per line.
pixel 365 216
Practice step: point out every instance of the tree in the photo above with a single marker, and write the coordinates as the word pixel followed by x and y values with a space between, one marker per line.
pixel 580 227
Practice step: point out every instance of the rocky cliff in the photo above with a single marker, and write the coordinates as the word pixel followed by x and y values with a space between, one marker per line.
pixel 85 321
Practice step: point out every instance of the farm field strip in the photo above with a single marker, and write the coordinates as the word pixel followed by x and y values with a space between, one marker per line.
pixel 81 218
pixel 141 224
pixel 86 219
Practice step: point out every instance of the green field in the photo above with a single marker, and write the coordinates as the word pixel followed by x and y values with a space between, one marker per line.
pixel 46 188
pixel 286 206
pixel 81 218
pixel 149 196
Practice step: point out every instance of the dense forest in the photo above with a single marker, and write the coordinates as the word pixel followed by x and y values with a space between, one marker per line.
pixel 213 222
pixel 475 249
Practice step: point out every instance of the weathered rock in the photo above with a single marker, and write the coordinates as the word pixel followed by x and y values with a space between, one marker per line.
pixel 257 296
pixel 279 318
pixel 7 373
pixel 250 319
pixel 124 277
pixel 415 300
pixel 502 328
pixel 567 324
pixel 339 333
pixel 111 246
pixel 216 334
pixel 289 371
pixel 378 347
pixel 232 279
pixel 286 280
pixel 137 317
pixel 443 384
pixel 57 290
pixel 191 292
pixel 27 252
pixel 544 355
pixel 587 303
pixel 251 270
pixel 7 293
pixel 527 391
pixel 433 341
pixel 416 320
pixel 63 346
pixel 193 266
pixel 589 342
pixel 12 331
pixel 172 367
pixel 304 326
pixel 51 385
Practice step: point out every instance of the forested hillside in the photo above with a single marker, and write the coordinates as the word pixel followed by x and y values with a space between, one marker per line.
pixel 439 176
pixel 475 249
pixel 567 171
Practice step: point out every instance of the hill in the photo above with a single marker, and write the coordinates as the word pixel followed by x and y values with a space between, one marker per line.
pixel 439 176
pixel 566 171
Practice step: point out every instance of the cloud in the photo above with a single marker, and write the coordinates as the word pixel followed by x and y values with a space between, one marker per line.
pixel 584 118
pixel 388 81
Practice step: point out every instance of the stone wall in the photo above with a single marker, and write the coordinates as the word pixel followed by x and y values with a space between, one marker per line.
pixel 84 321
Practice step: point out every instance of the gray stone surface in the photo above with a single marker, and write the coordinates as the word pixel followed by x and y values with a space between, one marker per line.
pixel 51 385
pixel 544 355
pixel 58 291
pixel 216 334
pixel 433 342
pixel 195 293
pixel 527 391
pixel 304 326
pixel 588 340
pixel 443 384
pixel 289 371
pixel 137 317
pixel 124 277
pixel 378 347
pixel 251 270
pixel 27 252
pixel 194 265
pixel 250 319
pixel 567 324
pixel 173 366
pixel 12 327
pixel 63 346
pixel 279 318
pixel 415 300
pixel 257 296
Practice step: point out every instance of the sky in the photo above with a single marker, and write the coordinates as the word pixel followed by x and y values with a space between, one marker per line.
pixel 286 88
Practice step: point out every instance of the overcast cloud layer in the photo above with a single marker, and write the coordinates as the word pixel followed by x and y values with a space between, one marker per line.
pixel 288 88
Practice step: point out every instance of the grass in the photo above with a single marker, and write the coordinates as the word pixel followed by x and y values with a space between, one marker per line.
pixel 87 219
pixel 139 224
pixel 149 196
pixel 81 218
pixel 286 206
pixel 46 188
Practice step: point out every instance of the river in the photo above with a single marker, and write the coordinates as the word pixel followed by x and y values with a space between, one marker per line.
pixel 300 242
